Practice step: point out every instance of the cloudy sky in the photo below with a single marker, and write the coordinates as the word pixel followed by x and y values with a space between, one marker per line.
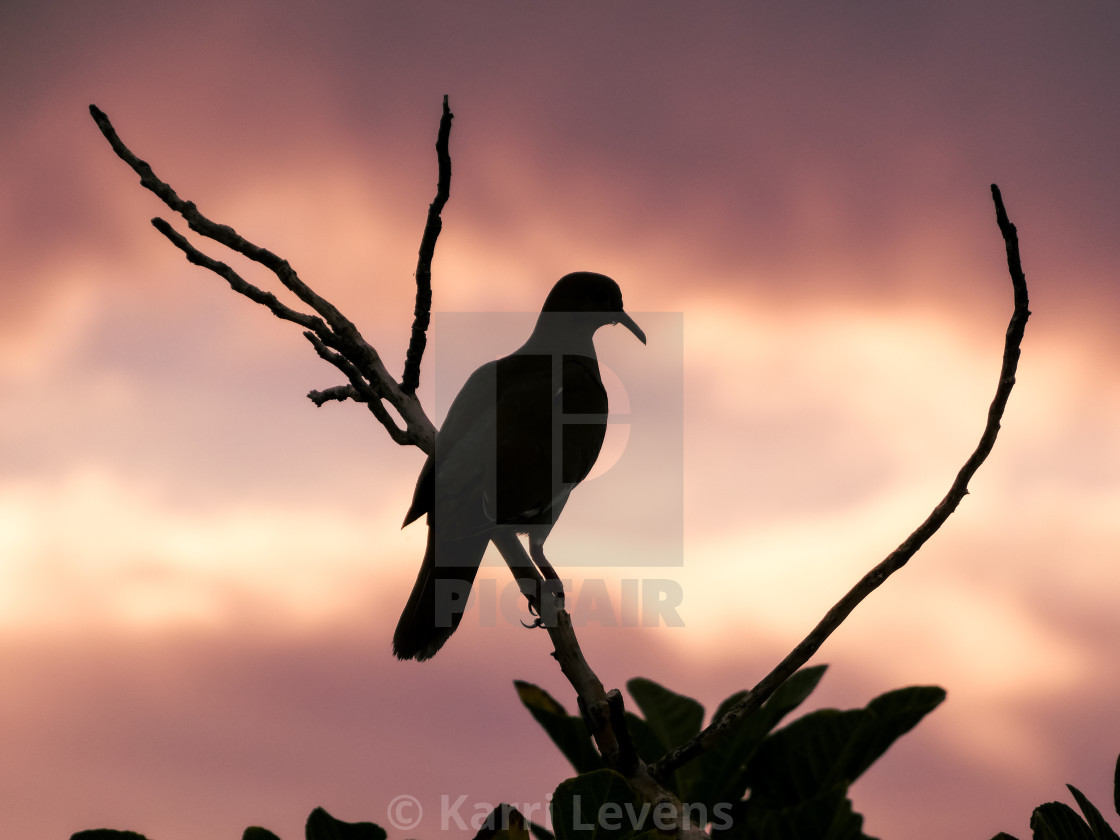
pixel 200 571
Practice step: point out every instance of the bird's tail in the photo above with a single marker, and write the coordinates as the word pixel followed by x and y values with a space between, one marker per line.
pixel 439 596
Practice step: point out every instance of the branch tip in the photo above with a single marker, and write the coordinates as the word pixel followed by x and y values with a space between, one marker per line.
pixel 423 308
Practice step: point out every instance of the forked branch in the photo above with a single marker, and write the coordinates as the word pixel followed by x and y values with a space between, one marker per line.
pixel 333 335
pixel 898 558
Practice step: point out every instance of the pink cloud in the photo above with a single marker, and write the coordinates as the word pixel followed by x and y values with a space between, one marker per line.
pixel 810 190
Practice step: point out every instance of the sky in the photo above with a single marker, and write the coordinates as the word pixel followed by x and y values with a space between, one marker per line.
pixel 200 571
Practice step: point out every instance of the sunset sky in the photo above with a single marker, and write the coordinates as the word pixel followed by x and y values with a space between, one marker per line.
pixel 200 571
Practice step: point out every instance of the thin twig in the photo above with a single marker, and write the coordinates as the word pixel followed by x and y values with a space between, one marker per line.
pixel 337 392
pixel 367 391
pixel 423 310
pixel 337 339
pixel 237 282
pixel 223 234
pixel 898 558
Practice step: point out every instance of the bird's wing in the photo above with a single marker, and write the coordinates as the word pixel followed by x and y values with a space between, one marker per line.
pixel 519 480
pixel 423 496
pixel 495 461
pixel 583 398
pixel 463 431
pixel 550 428
pixel 464 449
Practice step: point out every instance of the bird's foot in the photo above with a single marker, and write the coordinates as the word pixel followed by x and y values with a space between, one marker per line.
pixel 536 552
pixel 535 610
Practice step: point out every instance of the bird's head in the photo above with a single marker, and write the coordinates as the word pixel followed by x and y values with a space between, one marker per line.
pixel 594 294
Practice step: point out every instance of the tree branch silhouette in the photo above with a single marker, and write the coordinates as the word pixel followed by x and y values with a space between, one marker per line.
pixel 334 336
pixel 423 310
pixel 337 340
pixel 663 767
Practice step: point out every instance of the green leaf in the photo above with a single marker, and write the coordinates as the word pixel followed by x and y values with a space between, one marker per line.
pixel 648 744
pixel 796 762
pixel 787 697
pixel 568 732
pixel 830 748
pixel 1116 786
pixel 891 716
pixel 255 832
pixel 1058 821
pixel 722 769
pixel 1101 829
pixel 673 717
pixel 322 826
pixel 828 815
pixel 503 823
pixel 540 832
pixel 600 806
pixel 107 834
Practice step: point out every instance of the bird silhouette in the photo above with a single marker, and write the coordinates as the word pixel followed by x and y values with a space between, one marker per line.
pixel 520 435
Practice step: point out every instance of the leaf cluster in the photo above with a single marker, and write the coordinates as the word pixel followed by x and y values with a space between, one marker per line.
pixel 758 781
pixel 1058 821
pixel 505 823
pixel 320 826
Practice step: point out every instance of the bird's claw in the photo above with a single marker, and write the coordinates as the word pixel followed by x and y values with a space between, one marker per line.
pixel 535 611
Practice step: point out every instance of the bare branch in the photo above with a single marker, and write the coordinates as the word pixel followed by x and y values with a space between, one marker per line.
pixel 337 339
pixel 224 234
pixel 237 282
pixel 602 710
pixel 337 392
pixel 367 392
pixel 899 557
pixel 423 310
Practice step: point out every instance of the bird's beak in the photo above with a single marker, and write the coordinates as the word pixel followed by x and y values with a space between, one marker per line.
pixel 631 325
